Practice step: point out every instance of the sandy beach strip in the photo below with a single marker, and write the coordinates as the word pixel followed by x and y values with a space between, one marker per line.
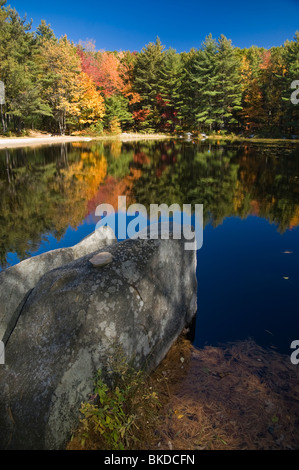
pixel 49 140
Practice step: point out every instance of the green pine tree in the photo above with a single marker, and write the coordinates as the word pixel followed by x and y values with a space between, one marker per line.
pixel 229 97
pixel 206 84
pixel 169 87
pixel 146 81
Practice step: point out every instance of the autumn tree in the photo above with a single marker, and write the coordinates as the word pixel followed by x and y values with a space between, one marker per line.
pixel 273 70
pixel 52 83
pixel 91 104
pixel 61 68
pixel 109 80
pixel 253 114
pixel 291 56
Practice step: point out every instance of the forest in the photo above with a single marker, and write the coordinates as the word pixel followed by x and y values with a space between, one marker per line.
pixel 56 86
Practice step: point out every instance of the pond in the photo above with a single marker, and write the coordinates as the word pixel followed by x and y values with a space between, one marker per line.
pixel 248 266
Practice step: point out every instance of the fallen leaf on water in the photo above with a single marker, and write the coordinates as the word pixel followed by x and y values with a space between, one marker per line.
pixel 270 333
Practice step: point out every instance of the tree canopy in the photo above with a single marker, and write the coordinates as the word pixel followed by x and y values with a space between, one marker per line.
pixel 55 85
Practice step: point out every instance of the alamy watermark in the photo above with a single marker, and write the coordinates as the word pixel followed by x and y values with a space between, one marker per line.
pixel 295 354
pixel 135 222
pixel 295 94
pixel 2 353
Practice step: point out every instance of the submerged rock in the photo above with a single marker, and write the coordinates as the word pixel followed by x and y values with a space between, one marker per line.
pixel 74 318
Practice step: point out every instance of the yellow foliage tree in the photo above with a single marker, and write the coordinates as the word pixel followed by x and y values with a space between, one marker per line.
pixel 90 101
pixel 61 67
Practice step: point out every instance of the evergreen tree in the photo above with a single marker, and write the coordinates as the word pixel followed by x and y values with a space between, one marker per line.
pixel 169 88
pixel 229 96
pixel 18 71
pixel 217 87
pixel 44 32
pixel 117 112
pixel 206 83
pixel 146 81
pixel 189 92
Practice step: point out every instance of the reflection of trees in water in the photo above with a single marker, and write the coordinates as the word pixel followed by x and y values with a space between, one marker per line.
pixel 229 180
pixel 189 177
pixel 272 179
pixel 45 190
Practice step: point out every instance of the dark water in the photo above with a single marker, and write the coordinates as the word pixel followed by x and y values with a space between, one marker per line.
pixel 248 267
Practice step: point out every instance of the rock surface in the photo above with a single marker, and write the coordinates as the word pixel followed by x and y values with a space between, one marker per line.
pixel 74 318
pixel 16 282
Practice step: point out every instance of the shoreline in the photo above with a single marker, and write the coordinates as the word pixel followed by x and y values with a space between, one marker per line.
pixel 40 140
pixel 261 140
pixel 14 142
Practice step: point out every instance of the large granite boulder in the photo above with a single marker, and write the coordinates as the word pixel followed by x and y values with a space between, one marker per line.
pixel 75 317
pixel 16 282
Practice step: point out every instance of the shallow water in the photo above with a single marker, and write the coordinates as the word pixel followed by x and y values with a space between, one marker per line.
pixel 248 266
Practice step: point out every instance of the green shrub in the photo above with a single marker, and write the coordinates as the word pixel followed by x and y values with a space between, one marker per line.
pixel 120 414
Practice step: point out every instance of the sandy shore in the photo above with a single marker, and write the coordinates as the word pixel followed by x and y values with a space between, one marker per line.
pixel 48 139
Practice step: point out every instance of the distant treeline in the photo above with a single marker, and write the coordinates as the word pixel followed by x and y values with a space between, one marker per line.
pixel 55 85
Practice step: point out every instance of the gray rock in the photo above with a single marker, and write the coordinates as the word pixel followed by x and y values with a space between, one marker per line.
pixel 74 319
pixel 16 282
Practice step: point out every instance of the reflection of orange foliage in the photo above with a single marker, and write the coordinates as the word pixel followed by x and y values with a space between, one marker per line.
pixel 80 183
pixel 77 145
pixel 109 192
pixel 255 207
pixel 294 222
pixel 160 170
pixel 141 158
pixel 238 196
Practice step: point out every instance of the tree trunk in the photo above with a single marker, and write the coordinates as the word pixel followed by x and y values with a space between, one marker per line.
pixel 3 120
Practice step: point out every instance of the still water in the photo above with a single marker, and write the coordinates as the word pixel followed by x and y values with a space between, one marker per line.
pixel 248 267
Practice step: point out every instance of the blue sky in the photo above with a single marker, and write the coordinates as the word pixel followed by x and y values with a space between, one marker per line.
pixel 131 24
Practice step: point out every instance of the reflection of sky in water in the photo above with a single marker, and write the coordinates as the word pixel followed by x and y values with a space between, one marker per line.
pixel 248 276
pixel 49 242
pixel 248 284
pixel 248 280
